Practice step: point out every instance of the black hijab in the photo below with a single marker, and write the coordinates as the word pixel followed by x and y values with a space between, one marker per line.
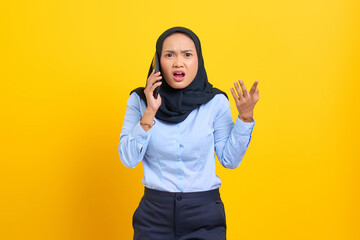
pixel 176 104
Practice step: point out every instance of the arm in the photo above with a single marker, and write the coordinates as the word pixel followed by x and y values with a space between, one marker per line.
pixel 133 137
pixel 231 141
pixel 136 129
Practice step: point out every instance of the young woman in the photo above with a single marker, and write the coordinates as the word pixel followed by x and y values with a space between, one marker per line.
pixel 175 135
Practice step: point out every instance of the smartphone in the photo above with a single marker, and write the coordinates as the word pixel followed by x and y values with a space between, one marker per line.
pixel 156 66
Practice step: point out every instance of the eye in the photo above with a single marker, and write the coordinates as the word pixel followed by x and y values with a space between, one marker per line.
pixel 168 55
pixel 188 54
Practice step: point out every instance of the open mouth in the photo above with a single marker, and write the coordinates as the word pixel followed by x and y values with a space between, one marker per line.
pixel 178 75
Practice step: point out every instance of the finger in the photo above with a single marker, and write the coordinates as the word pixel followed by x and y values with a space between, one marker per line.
pixel 238 90
pixel 157 79
pixel 157 74
pixel 150 90
pixel 151 74
pixel 243 88
pixel 155 85
pixel 256 95
pixel 149 77
pixel 253 88
pixel 153 79
pixel 234 95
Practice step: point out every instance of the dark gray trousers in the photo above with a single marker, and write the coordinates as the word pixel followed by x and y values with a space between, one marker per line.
pixel 180 216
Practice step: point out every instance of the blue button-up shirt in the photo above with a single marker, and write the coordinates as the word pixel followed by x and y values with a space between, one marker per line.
pixel 180 157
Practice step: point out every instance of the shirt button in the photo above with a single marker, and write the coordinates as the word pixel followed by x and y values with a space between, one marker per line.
pixel 178 198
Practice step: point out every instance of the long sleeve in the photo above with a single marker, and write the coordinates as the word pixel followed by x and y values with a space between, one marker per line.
pixel 133 139
pixel 231 140
pixel 180 157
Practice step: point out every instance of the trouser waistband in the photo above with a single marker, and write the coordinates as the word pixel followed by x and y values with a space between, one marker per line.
pixel 168 197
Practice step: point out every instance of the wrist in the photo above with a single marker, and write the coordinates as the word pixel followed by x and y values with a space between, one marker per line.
pixel 147 126
pixel 247 119
pixel 147 120
pixel 149 113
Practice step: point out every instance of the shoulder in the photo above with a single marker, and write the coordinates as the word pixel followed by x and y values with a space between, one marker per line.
pixel 135 102
pixel 221 98
pixel 218 105
pixel 134 99
pixel 219 101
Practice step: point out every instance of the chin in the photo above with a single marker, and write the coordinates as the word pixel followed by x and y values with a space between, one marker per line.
pixel 178 85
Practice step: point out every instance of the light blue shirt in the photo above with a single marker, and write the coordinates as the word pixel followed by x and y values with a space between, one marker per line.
pixel 180 157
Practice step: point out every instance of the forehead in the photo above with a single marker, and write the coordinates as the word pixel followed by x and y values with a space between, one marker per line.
pixel 178 40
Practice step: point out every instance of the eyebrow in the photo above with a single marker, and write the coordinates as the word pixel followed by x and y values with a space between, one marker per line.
pixel 183 51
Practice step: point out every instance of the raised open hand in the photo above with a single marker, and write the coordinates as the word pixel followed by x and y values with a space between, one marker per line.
pixel 245 101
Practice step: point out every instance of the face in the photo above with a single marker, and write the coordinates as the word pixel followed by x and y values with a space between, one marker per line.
pixel 179 61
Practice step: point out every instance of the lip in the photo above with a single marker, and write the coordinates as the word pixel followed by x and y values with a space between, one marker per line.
pixel 178 78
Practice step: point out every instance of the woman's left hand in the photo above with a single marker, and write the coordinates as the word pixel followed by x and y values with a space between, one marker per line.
pixel 246 101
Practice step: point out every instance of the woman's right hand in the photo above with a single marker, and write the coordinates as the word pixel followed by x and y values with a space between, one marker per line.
pixel 152 103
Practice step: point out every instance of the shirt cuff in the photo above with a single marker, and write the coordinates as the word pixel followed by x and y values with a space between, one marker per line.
pixel 244 128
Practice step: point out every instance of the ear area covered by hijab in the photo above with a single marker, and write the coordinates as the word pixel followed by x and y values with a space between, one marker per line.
pixel 176 104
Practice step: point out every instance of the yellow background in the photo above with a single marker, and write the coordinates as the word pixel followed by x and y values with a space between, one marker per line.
pixel 66 70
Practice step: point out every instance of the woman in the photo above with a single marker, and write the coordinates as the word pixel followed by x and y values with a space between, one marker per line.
pixel 175 135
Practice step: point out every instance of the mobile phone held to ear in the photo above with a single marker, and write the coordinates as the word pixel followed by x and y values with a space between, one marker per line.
pixel 156 66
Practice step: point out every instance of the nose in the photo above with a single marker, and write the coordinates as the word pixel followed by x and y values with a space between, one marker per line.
pixel 178 62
